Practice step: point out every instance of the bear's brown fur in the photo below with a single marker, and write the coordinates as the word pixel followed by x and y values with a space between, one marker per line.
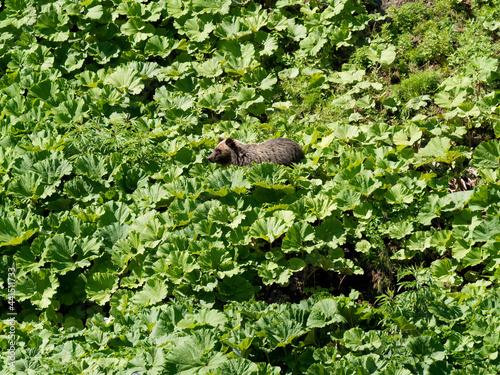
pixel 277 150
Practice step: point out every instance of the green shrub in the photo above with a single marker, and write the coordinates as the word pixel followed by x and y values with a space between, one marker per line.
pixel 433 45
pixel 407 16
pixel 425 33
pixel 482 46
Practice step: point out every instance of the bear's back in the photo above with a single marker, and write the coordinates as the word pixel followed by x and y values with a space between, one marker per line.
pixel 281 151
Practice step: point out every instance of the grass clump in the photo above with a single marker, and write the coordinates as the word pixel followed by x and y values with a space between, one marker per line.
pixel 420 83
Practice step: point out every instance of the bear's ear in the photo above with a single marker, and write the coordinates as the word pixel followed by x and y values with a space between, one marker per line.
pixel 220 140
pixel 231 143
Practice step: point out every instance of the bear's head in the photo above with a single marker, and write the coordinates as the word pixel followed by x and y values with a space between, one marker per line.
pixel 222 152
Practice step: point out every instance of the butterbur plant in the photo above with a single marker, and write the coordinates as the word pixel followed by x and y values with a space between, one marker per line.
pixel 125 250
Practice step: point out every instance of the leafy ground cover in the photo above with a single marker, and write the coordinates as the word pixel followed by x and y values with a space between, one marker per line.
pixel 378 254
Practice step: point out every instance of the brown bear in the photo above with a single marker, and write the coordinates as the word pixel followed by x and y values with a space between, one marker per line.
pixel 278 150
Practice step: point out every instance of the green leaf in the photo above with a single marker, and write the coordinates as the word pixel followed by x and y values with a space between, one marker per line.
pixel 274 273
pixel 441 240
pixel 37 286
pixel 363 246
pixel 325 312
pixel 365 183
pixel 408 136
pixel 45 91
pixel 399 194
pixel 437 147
pixel 449 310
pixel 444 272
pixel 130 9
pixel 100 286
pixel 430 210
pixel 14 231
pixel 484 196
pixel 487 154
pixel 178 8
pixel 232 29
pixel 455 201
pixel 52 170
pixel 260 78
pixel 491 25
pixel 280 329
pixel 296 264
pixel 296 236
pixel 195 353
pixel 347 132
pixel 83 189
pixel 418 102
pixel 348 199
pixel 103 52
pixel 363 211
pixel 236 288
pixel 69 111
pixel 211 6
pixel 137 29
pixel 404 325
pixel 388 55
pixel 60 250
pixel 400 229
pixel 131 179
pixel 239 236
pixel 313 43
pixel 331 232
pixel 487 229
pixel 155 290
pixel 214 101
pixel 268 43
pixel 215 257
pixel 28 186
pixel 450 99
pixel 28 258
pixel 95 12
pixel 225 215
pixel 197 30
pixel 223 181
pixel 289 73
pixel 53 23
pixel 210 68
pixel 483 67
pixel 321 207
pixel 163 46
pixel 475 256
pixel 92 166
pixel 257 19
pixel 180 263
pixel 202 318
pixel 237 366
pixel 358 340
pixel 240 59
pixel 384 54
pixel 423 346
pixel 270 176
pixel 419 241
pixel 268 228
pixel 297 32
pixel 126 79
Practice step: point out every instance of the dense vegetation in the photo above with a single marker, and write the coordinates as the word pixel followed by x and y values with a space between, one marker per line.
pixel 378 254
